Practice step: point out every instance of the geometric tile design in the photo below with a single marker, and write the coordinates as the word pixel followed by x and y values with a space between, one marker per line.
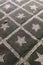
pixel 20 16
pixel 33 7
pixel 21 32
pixel 35 26
pixel 34 58
pixel 8 57
pixel 8 7
pixel 20 2
pixel 25 46
pixel 6 27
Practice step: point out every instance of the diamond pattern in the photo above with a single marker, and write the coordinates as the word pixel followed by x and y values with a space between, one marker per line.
pixel 35 55
pixel 26 45
pixel 21 32
pixel 20 2
pixel 8 7
pixel 33 7
pixel 8 57
pixel 6 27
pixel 37 31
pixel 20 16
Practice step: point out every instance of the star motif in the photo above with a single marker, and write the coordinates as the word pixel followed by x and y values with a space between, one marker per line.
pixel 20 16
pixel 4 26
pixel 1 58
pixel 33 7
pixel 7 6
pixel 35 27
pixel 40 59
pixel 21 40
pixel 19 1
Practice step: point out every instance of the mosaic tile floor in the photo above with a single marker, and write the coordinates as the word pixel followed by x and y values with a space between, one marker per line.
pixel 21 32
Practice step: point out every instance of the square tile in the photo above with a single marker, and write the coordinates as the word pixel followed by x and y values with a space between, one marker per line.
pixel 35 27
pixel 21 42
pixel 1 15
pixel 20 16
pixel 33 7
pixel 8 7
pixel 37 57
pixel 6 27
pixel 6 56
pixel 20 2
